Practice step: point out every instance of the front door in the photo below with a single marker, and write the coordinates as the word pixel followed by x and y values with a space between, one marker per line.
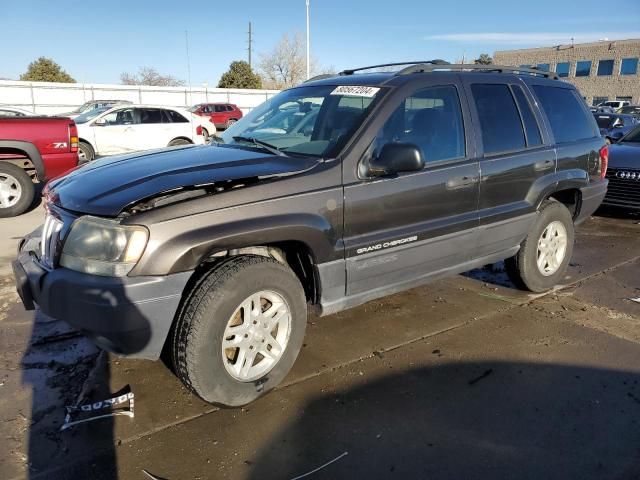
pixel 401 229
pixel 116 135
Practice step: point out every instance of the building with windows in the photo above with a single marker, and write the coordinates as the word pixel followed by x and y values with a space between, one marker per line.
pixel 604 70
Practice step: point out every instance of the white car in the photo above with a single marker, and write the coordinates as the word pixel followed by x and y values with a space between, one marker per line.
pixel 7 111
pixel 615 104
pixel 132 128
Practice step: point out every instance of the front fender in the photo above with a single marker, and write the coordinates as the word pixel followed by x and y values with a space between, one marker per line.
pixel 184 243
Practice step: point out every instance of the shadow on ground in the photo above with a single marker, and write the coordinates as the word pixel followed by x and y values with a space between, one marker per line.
pixel 467 420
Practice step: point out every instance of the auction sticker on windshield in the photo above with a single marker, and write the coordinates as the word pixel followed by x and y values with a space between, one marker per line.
pixel 356 91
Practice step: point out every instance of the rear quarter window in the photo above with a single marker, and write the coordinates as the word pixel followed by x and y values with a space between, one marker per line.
pixel 569 120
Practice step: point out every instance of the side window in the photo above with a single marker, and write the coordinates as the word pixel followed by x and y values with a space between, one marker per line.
pixel 568 119
pixel 176 117
pixel 120 117
pixel 219 108
pixel 499 119
pixel 531 127
pixel 150 115
pixel 431 118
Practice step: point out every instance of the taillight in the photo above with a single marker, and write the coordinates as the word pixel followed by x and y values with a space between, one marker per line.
pixel 604 160
pixel 73 137
pixel 199 130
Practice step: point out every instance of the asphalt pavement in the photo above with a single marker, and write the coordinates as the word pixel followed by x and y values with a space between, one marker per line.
pixel 463 378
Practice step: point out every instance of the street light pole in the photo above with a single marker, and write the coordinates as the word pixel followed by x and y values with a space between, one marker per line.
pixel 308 48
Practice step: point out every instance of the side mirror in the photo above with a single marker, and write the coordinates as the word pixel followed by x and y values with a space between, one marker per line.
pixel 395 158
pixel 100 122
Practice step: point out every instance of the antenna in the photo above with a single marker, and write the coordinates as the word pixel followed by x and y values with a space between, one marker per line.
pixel 186 37
pixel 250 47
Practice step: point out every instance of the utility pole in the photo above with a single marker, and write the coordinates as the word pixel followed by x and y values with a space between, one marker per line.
pixel 308 46
pixel 250 43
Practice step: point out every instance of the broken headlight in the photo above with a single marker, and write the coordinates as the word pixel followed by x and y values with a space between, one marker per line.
pixel 100 246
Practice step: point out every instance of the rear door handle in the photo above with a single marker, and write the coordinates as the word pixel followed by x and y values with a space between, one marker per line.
pixel 544 165
pixel 460 182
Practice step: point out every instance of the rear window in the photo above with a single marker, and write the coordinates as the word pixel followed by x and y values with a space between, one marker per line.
pixel 176 117
pixel 568 118
pixel 499 119
pixel 604 121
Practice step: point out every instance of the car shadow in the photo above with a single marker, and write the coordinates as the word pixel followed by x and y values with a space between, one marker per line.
pixel 471 420
pixel 617 213
pixel 64 368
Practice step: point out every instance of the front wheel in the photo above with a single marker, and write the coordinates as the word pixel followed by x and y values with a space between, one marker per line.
pixel 239 330
pixel 544 256
pixel 179 141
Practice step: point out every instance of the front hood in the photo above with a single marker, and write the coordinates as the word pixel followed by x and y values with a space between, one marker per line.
pixel 624 155
pixel 107 186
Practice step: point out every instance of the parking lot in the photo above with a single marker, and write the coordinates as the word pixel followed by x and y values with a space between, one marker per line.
pixel 464 378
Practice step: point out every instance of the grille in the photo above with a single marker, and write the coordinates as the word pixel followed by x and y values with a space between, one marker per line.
pixel 624 187
pixel 49 240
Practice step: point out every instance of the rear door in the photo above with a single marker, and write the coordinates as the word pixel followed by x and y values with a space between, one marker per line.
pixel 401 229
pixel 515 154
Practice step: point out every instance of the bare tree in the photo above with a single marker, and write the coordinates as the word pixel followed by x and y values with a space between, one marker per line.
pixel 286 65
pixel 150 76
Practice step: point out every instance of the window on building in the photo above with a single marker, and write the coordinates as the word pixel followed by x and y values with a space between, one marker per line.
pixel 583 68
pixel 562 69
pixel 568 118
pixel 629 66
pixel 543 66
pixel 598 100
pixel 499 118
pixel 605 67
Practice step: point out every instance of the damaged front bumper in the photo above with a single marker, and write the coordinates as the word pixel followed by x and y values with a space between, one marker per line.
pixel 129 316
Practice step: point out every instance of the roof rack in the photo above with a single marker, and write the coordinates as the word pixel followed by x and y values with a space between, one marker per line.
pixel 320 77
pixel 431 62
pixel 437 65
pixel 425 67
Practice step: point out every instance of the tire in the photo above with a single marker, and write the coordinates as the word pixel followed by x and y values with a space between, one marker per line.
pixel 207 312
pixel 85 153
pixel 16 190
pixel 205 134
pixel 179 141
pixel 523 268
pixel 230 122
pixel 608 141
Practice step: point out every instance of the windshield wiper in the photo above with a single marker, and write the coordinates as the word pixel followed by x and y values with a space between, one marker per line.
pixel 259 143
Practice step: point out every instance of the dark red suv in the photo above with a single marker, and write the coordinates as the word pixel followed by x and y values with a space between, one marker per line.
pixel 223 115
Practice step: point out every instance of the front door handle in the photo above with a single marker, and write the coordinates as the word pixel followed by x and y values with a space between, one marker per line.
pixel 460 182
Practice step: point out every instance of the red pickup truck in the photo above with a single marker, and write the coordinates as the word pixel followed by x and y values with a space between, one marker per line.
pixel 32 150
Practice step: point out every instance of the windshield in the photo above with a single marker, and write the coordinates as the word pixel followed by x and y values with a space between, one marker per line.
pixel 91 114
pixel 315 120
pixel 632 137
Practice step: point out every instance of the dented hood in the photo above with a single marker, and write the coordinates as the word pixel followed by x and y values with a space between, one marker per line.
pixel 107 186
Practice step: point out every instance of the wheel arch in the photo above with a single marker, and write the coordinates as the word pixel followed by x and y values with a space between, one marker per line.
pixel 27 149
pixel 180 137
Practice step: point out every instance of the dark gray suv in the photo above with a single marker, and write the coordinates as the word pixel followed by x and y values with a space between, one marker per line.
pixel 215 253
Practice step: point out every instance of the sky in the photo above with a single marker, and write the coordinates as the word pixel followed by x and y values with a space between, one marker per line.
pixel 95 41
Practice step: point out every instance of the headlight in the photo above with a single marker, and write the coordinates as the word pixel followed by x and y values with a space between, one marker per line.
pixel 103 247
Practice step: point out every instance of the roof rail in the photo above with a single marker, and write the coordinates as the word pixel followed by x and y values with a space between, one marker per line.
pixel 351 71
pixel 320 77
pixel 425 67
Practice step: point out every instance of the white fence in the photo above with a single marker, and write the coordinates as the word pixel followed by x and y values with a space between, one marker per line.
pixel 51 98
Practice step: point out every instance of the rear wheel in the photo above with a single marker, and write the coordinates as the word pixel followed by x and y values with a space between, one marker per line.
pixel 16 190
pixel 231 121
pixel 179 141
pixel 240 330
pixel 205 134
pixel 544 256
pixel 85 153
